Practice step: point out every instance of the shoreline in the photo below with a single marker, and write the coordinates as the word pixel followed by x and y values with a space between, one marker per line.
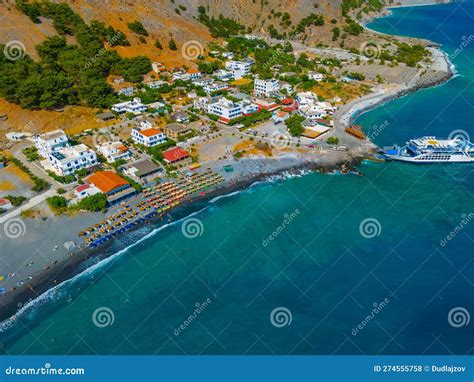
pixel 14 302
pixel 347 114
pixel 84 259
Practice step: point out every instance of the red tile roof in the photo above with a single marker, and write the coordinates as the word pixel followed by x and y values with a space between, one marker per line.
pixel 106 181
pixel 4 201
pixel 82 187
pixel 175 155
pixel 150 132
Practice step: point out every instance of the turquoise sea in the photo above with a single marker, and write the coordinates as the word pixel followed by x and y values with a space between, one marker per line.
pixel 317 264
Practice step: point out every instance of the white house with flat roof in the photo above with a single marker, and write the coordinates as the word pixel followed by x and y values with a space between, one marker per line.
pixel 306 98
pixel 49 142
pixel 67 160
pixel 315 76
pixel 114 151
pixel 312 112
pixel 214 87
pixel 238 69
pixel 134 106
pixel 264 88
pixel 225 109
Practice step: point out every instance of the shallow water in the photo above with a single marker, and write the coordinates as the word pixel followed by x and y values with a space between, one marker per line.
pixel 298 247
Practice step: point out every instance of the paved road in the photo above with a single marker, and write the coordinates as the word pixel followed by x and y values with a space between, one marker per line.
pixel 33 202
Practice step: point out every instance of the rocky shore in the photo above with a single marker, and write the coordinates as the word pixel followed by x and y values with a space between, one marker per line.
pixel 246 172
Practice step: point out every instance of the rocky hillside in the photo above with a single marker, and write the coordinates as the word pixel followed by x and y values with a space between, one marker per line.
pixel 179 20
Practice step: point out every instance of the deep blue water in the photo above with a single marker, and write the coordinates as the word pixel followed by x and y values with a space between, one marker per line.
pixel 318 265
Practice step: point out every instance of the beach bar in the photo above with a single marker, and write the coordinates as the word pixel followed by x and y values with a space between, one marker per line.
pixel 113 186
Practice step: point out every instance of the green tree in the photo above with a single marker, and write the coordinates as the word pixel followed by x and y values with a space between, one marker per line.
pixel 172 45
pixel 137 27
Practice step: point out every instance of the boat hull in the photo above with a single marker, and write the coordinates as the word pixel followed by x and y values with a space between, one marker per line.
pixel 416 160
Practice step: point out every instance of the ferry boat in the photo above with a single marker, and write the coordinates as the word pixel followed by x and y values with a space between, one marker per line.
pixel 432 150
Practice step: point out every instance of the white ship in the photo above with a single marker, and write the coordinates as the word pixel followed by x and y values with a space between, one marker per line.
pixel 432 150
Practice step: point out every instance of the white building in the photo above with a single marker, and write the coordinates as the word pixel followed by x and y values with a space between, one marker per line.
pixel 223 75
pixel 214 87
pixel 84 190
pixel 157 67
pixel 49 142
pixel 312 112
pixel 311 108
pixel 306 98
pixel 114 151
pixel 156 84
pixel 201 103
pixel 194 74
pixel 67 160
pixel 134 106
pixel 264 88
pixel 181 76
pixel 148 137
pixel 127 91
pixel 228 55
pixel 225 109
pixel 248 107
pixel 315 76
pixel 238 69
pixel 203 81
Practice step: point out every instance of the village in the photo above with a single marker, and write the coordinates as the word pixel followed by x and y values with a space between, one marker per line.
pixel 226 114
pixel 177 135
